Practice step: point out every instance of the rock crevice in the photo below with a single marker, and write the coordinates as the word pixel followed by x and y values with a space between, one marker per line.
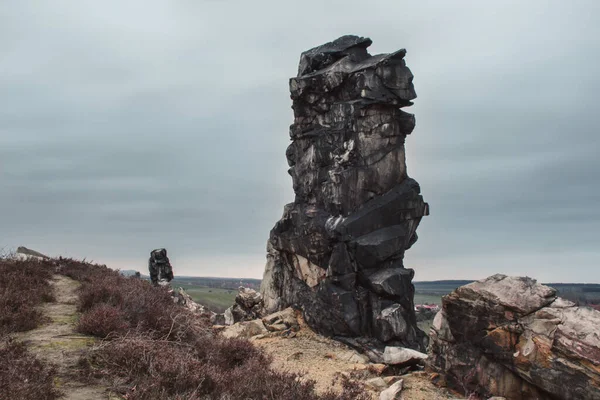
pixel 337 252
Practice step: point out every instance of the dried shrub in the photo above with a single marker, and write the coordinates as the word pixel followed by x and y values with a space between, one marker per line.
pixel 102 320
pixel 140 306
pixel 154 369
pixel 24 284
pixel 157 349
pixel 22 376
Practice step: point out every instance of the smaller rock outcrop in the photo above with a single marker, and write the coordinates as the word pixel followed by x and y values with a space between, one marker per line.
pixel 25 253
pixel 512 337
pixel 248 306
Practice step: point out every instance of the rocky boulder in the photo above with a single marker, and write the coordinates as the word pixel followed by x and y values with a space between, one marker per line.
pixel 512 337
pixel 337 252
pixel 23 253
pixel 394 392
pixel 282 320
pixel 248 306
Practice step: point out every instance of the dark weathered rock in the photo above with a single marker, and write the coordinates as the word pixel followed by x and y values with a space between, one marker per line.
pixel 337 252
pixel 512 337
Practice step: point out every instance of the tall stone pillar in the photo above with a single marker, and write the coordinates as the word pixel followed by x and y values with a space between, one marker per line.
pixel 337 252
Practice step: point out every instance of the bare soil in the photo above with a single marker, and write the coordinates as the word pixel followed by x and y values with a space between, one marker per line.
pixel 56 342
pixel 325 360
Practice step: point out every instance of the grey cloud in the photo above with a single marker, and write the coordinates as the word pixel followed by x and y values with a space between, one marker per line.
pixel 125 127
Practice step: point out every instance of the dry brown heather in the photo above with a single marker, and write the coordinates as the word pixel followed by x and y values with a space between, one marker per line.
pixel 24 285
pixel 152 348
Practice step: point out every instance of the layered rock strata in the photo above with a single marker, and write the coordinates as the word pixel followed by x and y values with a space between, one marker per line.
pixel 337 252
pixel 512 337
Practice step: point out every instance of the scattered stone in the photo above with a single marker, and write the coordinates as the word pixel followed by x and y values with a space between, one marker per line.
pixel 245 329
pixel 376 383
pixel 393 392
pixel 377 368
pixel 337 252
pixel 402 356
pixel 512 337
pixel 24 253
pixel 390 380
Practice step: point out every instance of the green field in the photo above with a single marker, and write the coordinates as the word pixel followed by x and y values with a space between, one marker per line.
pixel 421 298
pixel 219 293
pixel 217 300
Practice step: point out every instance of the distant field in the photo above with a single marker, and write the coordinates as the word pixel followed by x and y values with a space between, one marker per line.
pixel 222 283
pixel 217 300
pixel 421 298
pixel 219 293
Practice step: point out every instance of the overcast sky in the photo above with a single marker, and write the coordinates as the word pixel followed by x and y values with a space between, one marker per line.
pixel 131 125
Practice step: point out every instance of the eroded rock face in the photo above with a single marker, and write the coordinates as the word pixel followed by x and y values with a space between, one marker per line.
pixel 512 337
pixel 337 252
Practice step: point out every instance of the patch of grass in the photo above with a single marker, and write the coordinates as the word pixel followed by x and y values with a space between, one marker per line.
pixel 421 298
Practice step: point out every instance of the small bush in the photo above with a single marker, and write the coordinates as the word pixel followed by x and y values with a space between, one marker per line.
pixel 22 376
pixel 102 320
pixel 134 302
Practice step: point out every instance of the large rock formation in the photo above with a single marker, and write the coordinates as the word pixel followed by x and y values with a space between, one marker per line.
pixel 513 337
pixel 337 252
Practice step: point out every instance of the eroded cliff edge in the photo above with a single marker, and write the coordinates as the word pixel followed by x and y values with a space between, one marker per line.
pixel 337 252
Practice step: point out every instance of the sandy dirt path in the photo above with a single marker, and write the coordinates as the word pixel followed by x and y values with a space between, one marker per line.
pixel 57 342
